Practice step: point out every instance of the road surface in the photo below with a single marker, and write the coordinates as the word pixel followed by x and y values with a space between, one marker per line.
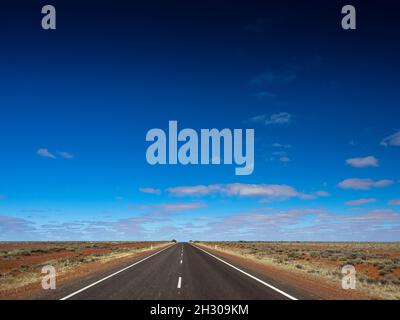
pixel 184 272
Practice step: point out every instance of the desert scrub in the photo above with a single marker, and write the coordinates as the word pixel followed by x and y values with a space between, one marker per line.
pixel 377 264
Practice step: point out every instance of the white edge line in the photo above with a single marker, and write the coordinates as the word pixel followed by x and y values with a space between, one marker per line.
pixel 251 276
pixel 179 282
pixel 111 275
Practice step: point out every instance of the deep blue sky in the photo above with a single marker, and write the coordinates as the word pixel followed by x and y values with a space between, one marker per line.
pixel 76 104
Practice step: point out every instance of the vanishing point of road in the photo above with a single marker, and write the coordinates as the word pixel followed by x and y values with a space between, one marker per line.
pixel 183 272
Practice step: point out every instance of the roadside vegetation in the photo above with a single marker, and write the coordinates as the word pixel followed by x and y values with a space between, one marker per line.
pixel 377 264
pixel 21 262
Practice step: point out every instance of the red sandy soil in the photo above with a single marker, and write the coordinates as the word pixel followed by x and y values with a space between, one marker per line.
pixel 319 288
pixel 35 258
pixel 84 270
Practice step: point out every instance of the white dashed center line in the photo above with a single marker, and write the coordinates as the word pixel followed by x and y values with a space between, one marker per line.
pixel 179 282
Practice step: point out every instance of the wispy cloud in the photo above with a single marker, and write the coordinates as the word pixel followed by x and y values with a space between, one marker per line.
pixel 363 162
pixel 322 193
pixel 352 142
pixel 306 224
pixel 169 207
pixel 357 202
pixel 280 145
pixel 150 190
pixel 364 184
pixel 281 118
pixel 192 191
pixel 43 152
pixel 281 154
pixel 268 191
pixel 66 155
pixel 183 206
pixel 301 224
pixel 126 228
pixel 146 226
pixel 284 159
pixel 13 228
pixel 393 140
pixel 376 214
pixel 394 202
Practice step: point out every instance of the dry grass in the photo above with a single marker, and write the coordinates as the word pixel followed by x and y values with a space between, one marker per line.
pixel 21 262
pixel 377 264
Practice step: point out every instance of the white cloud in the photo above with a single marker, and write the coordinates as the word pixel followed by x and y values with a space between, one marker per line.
pixel 66 155
pixel 258 119
pixel 357 202
pixel 279 153
pixel 268 191
pixel 150 190
pixel 364 184
pixel 394 202
pixel 183 206
pixel 280 145
pixel 306 224
pixel 377 214
pixel 265 190
pixel 43 152
pixel 364 162
pixel 352 142
pixel 279 118
pixel 274 119
pixel 189 191
pixel 322 193
pixel 169 207
pixel 19 226
pixel 393 140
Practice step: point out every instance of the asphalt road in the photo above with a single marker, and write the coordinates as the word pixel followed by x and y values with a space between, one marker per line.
pixel 181 271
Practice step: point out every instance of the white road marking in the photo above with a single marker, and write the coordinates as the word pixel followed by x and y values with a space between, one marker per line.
pixel 181 261
pixel 111 275
pixel 251 276
pixel 179 282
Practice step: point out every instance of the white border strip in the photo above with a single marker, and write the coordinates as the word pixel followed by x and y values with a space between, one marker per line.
pixel 111 275
pixel 249 275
